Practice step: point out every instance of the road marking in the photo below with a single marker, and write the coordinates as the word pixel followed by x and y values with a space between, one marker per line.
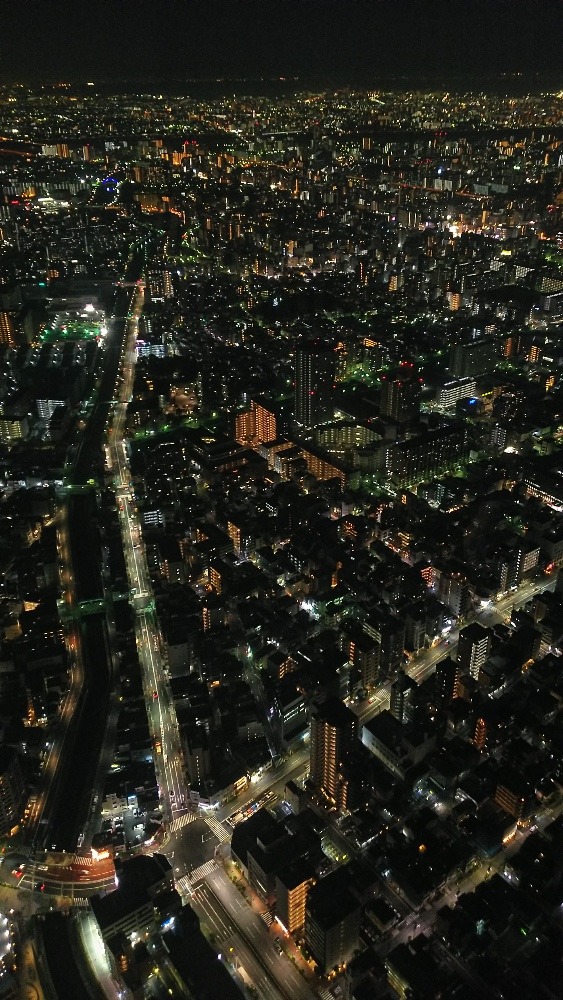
pixel 218 829
pixel 180 821
pixel 186 883
pixel 183 884
pixel 199 873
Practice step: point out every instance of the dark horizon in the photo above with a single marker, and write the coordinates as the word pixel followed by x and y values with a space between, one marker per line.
pixel 280 87
pixel 337 41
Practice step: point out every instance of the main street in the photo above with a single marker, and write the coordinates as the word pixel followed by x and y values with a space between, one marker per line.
pixel 161 713
pixel 236 925
pixel 68 875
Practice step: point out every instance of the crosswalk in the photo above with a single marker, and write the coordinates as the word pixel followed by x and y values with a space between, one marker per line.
pixel 218 829
pixel 186 883
pixel 267 918
pixel 324 993
pixel 183 885
pixel 63 860
pixel 189 817
pixel 199 873
pixel 181 821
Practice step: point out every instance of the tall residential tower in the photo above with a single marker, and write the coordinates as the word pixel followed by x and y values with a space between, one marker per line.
pixel 333 734
pixel 314 382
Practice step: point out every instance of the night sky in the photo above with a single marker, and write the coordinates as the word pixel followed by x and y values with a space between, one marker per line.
pixel 351 41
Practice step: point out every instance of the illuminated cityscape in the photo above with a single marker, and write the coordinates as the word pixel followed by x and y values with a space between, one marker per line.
pixel 281 508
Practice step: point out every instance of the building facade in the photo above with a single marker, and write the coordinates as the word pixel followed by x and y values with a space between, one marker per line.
pixel 315 366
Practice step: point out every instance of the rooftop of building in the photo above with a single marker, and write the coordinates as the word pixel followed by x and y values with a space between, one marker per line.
pixel 196 962
pixel 135 878
pixel 334 712
pixel 331 899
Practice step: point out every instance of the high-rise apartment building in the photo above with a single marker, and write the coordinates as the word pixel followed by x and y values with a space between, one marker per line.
pixel 292 889
pixel 13 428
pixel 159 284
pixel 7 333
pixel 426 456
pixel 514 794
pixel 473 649
pixel 526 558
pixel 12 790
pixel 60 149
pixel 447 680
pixel 474 357
pixel 400 394
pixel 448 394
pixel 314 382
pixel 333 734
pixel 197 755
pixel 389 631
pixel 403 698
pixel 332 921
pixel 453 588
pixel 363 651
pixel 257 425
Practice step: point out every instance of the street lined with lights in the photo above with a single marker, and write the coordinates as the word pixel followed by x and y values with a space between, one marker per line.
pixel 158 697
